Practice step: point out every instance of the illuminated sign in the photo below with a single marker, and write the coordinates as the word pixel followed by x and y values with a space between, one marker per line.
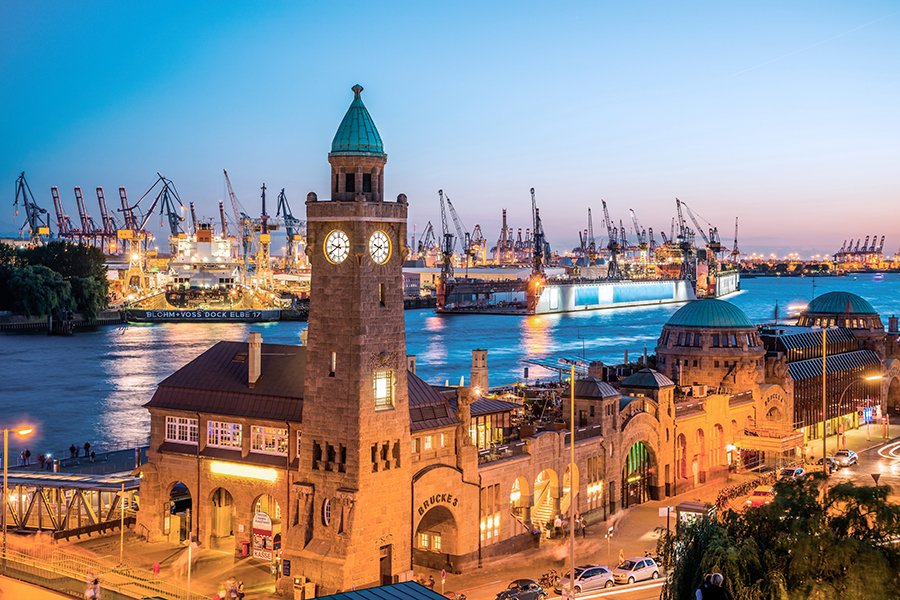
pixel 245 471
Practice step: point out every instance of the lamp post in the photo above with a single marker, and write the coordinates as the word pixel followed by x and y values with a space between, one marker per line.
pixel 22 432
pixel 572 490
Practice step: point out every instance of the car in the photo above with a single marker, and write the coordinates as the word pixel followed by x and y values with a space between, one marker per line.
pixel 845 458
pixel 636 569
pixel 587 578
pixel 833 465
pixel 794 473
pixel 764 494
pixel 522 589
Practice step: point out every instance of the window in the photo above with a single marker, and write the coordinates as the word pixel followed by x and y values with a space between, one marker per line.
pixel 427 442
pixel 443 440
pixel 436 543
pixel 298 443
pixel 333 364
pixel 350 182
pixel 181 429
pixel 716 364
pixel 367 182
pixel 326 512
pixel 733 340
pixel 697 340
pixel 490 528
pixel 715 340
pixel 415 444
pixel 423 540
pixel 224 435
pixel 381 293
pixel 268 439
pixel 384 390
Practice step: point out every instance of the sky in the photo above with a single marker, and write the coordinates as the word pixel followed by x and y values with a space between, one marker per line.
pixel 783 115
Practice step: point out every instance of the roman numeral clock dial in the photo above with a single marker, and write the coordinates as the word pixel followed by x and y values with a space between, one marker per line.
pixel 337 246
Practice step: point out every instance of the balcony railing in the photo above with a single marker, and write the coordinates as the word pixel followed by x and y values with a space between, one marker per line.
pixel 502 451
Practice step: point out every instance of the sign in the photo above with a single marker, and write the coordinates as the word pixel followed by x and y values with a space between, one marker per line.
pixel 443 575
pixel 437 499
pixel 286 567
pixel 621 556
pixel 262 536
pixel 876 477
pixel 241 316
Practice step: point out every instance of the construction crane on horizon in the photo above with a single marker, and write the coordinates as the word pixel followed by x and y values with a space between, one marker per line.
pixel 293 229
pixel 591 241
pixel 612 246
pixel 461 231
pixel 735 252
pixel 537 268
pixel 447 243
pixel 36 218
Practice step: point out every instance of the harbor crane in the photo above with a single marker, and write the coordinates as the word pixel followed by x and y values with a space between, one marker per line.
pixel 461 231
pixel 426 241
pixel 651 244
pixel 639 232
pixel 685 242
pixel 478 246
pixel 193 219
pixel 243 224
pixel 36 218
pixel 447 243
pixel 612 246
pixel 89 229
pixel 225 232
pixel 63 222
pixel 735 252
pixel 591 241
pixel 136 240
pixel 665 240
pixel 712 241
pixel 294 230
pixel 537 269
pixel 110 227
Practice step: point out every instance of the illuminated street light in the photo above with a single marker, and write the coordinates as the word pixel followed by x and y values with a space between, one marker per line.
pixel 23 432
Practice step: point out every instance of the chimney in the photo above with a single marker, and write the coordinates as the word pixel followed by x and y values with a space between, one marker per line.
pixel 595 370
pixel 255 343
pixel 411 363
pixel 892 324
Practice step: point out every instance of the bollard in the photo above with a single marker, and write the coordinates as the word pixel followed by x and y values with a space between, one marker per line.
pixel 56 465
pixel 137 457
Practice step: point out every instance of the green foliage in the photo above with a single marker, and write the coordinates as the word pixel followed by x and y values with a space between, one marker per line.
pixel 39 291
pixel 801 546
pixel 23 271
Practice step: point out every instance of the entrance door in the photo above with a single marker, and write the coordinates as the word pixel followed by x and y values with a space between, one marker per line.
pixel 386 576
pixel 582 418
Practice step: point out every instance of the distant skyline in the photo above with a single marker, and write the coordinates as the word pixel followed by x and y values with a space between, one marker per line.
pixel 784 115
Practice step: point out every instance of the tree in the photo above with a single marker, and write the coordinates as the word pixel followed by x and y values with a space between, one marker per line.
pixel 37 290
pixel 801 546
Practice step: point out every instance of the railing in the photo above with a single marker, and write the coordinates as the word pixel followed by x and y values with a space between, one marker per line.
pixel 583 433
pixel 500 452
pixel 66 572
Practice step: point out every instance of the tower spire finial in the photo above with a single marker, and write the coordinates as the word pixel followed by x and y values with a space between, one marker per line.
pixel 357 90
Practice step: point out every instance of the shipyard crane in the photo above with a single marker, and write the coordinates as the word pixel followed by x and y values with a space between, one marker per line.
pixel 293 229
pixel 685 242
pixel 168 202
pixel 857 245
pixel 843 247
pixel 537 268
pixel 193 219
pixel 591 241
pixel 612 246
pixel 735 252
pixel 639 232
pixel 263 270
pixel 110 227
pixel 426 240
pixel 243 224
pixel 665 240
pixel 651 245
pixel 712 241
pixel 127 211
pixel 880 245
pixel 63 222
pixel 88 226
pixel 461 231
pixel 478 245
pixel 36 218
pixel 447 243
pixel 136 241
pixel 866 245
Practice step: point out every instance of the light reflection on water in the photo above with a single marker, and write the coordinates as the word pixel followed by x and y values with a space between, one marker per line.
pixel 92 385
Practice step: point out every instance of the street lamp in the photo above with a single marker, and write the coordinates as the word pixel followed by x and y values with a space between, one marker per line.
pixel 572 490
pixel 23 432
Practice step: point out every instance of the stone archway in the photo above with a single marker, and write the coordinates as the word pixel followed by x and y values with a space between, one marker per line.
pixel 435 542
pixel 570 487
pixel 637 474
pixel 178 515
pixel 546 498
pixel 520 501
pixel 699 464
pixel 266 538
pixel 893 395
pixel 681 456
pixel 222 519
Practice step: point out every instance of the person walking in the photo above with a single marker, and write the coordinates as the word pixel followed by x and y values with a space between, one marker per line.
pixel 240 589
pixel 698 594
pixel 716 589
pixel 72 451
pixel 92 455
pixel 41 460
pixel 582 522
pixel 27 456
pixel 87 449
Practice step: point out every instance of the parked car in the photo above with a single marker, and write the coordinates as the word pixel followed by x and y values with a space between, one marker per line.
pixel 587 578
pixel 794 473
pixel 636 569
pixel 522 589
pixel 845 458
pixel 764 494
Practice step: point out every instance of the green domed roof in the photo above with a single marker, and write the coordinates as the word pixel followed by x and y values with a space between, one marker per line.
pixel 838 303
pixel 357 134
pixel 710 314
pixel 648 378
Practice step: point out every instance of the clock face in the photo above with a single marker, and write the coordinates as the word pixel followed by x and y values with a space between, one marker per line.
pixel 337 246
pixel 380 247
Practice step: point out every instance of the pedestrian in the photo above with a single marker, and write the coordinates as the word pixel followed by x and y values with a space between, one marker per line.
pixel 21 458
pixel 41 460
pixel 77 450
pixel 698 595
pixel 92 591
pixel 557 525
pixel 49 462
pixel 583 524
pixel 233 591
pixel 430 582
pixel 241 589
pixel 87 448
pixel 716 589
pixel 72 451
pixel 27 456
pixel 92 455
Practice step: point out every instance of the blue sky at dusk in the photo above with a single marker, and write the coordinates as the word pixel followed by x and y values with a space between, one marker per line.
pixel 783 114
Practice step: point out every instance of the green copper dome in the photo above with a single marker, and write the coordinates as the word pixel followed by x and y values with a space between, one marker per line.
pixel 357 134
pixel 710 314
pixel 838 303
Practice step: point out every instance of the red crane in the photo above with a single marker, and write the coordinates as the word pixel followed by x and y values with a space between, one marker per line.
pixel 63 222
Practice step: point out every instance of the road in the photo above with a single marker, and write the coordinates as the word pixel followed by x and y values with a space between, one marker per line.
pixel 643 590
pixel 883 460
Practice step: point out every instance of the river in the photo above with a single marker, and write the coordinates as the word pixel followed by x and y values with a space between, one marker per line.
pixel 92 386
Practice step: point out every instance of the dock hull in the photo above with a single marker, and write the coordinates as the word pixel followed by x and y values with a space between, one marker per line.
pixel 136 315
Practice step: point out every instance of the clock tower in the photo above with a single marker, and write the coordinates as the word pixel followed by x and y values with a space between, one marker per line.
pixel 352 492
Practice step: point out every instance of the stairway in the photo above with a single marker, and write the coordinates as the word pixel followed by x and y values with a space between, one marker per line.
pixel 543 510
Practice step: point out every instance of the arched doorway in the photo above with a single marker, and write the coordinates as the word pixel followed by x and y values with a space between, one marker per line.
pixel 718 446
pixel 571 485
pixel 637 474
pixel 435 540
pixel 681 456
pixel 177 517
pixel 546 498
pixel 699 464
pixel 893 395
pixel 520 503
pixel 222 519
pixel 266 519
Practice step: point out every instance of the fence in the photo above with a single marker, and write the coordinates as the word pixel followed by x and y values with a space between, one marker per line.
pixel 68 572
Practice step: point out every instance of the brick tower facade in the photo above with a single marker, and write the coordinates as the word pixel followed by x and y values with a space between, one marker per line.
pixel 354 484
